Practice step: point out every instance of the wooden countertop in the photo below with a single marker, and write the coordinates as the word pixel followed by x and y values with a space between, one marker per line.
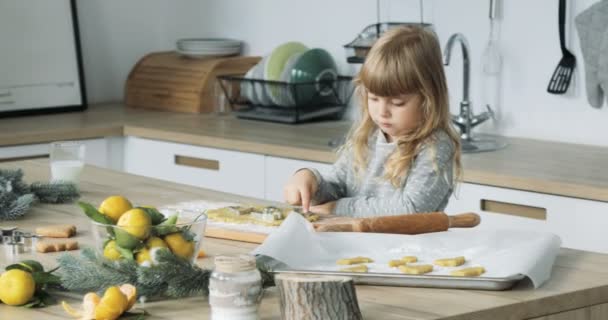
pixel 579 279
pixel 549 167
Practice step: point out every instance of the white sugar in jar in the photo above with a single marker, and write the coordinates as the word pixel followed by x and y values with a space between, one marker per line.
pixel 235 288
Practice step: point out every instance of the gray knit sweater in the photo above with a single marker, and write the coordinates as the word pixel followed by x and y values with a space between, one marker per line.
pixel 427 187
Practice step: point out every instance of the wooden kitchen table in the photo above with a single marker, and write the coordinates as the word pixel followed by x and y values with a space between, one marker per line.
pixel 578 288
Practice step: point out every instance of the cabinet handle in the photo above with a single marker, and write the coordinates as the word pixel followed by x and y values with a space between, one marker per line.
pixel 32 157
pixel 197 162
pixel 5 94
pixel 514 209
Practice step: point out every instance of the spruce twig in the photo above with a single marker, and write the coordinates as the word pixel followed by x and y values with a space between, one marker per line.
pixel 90 273
pixel 172 277
pixel 16 196
pixel 55 192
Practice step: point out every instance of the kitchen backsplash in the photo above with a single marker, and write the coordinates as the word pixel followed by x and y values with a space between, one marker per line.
pixel 115 34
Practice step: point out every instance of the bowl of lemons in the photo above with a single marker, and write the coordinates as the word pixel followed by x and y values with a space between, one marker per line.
pixel 124 231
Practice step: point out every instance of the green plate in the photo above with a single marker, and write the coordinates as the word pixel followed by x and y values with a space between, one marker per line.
pixel 275 65
pixel 313 65
pixel 278 57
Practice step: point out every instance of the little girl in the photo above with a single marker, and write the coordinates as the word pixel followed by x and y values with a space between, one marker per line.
pixel 403 156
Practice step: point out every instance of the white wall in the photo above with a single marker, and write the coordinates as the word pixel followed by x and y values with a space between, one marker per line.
pixel 117 33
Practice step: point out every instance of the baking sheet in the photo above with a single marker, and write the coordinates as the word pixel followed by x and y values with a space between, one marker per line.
pixel 505 254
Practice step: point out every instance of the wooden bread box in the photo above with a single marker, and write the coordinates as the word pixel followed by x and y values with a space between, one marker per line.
pixel 169 81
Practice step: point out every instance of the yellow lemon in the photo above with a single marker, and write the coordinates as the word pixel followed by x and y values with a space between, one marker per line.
pixel 131 293
pixel 143 256
pixel 110 251
pixel 115 206
pixel 156 242
pixel 136 222
pixel 112 304
pixel 16 287
pixel 180 246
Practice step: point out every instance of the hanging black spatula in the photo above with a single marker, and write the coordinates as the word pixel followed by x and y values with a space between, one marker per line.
pixel 563 72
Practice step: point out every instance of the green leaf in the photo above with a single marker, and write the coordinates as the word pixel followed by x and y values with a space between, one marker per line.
pixel 188 235
pixel 126 240
pixel 45 298
pixel 19 267
pixel 110 231
pixel 45 278
pixel 34 265
pixel 168 226
pixel 172 220
pixel 126 253
pixel 95 215
pixel 33 303
pixel 155 216
pixel 134 316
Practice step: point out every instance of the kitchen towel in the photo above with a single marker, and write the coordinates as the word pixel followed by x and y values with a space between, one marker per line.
pixel 592 27
pixel 502 252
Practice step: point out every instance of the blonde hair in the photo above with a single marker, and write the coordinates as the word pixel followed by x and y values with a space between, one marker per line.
pixel 404 60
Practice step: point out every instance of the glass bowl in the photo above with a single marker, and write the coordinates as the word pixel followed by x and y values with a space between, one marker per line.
pixel 138 238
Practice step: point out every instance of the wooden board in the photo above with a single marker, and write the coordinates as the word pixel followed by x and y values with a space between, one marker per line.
pixel 231 234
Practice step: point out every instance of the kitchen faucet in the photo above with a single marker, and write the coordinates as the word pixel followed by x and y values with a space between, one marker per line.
pixel 466 121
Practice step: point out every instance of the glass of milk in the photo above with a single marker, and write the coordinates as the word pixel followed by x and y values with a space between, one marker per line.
pixel 67 160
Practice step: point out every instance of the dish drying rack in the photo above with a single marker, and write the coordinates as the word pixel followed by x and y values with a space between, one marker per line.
pixel 357 50
pixel 286 102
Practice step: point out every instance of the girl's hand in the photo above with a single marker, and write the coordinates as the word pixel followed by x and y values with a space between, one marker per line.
pixel 326 208
pixel 300 188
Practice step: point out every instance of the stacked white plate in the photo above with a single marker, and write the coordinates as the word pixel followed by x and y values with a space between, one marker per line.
pixel 208 47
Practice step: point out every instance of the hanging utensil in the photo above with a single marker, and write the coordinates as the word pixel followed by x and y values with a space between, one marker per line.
pixel 492 61
pixel 560 81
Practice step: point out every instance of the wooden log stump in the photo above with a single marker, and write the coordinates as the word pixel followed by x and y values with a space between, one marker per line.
pixel 308 297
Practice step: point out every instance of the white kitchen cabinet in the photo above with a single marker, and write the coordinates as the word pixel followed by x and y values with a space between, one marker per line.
pixel 217 169
pixel 580 223
pixel 279 170
pixel 99 152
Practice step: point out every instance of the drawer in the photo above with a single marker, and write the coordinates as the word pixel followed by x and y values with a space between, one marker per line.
pixel 279 170
pixel 217 169
pixel 580 223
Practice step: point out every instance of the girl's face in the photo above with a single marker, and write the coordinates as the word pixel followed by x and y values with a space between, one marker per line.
pixel 395 116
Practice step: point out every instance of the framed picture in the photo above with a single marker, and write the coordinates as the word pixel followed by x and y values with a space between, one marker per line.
pixel 40 61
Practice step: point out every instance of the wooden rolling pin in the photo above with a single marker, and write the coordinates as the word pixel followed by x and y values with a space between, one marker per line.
pixel 401 224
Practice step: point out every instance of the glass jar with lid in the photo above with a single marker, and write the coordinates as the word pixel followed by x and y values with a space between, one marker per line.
pixel 235 288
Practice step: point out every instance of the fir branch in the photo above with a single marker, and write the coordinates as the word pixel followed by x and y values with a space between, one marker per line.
pixel 16 196
pixel 91 273
pixel 179 277
pixel 14 177
pixel 172 277
pixel 13 207
pixel 55 192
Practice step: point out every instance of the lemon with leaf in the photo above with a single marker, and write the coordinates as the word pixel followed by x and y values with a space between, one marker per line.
pixel 114 207
pixel 136 222
pixel 16 287
pixel 179 245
